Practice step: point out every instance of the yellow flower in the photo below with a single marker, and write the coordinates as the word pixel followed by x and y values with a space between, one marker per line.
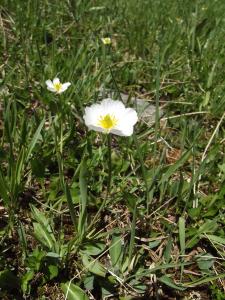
pixel 106 40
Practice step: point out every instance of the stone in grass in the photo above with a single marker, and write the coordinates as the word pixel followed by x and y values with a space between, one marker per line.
pixel 145 110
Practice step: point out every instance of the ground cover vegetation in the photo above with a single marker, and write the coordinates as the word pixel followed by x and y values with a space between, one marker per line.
pixel 89 215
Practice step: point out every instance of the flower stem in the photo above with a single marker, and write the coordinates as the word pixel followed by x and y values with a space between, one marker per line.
pixel 106 197
pixel 109 140
pixel 143 169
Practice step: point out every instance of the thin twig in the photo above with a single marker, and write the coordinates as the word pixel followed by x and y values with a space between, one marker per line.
pixel 184 115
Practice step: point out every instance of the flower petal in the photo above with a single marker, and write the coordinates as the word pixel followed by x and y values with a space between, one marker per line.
pixel 96 128
pixel 52 89
pixel 125 118
pixel 49 83
pixel 125 131
pixel 56 81
pixel 92 114
pixel 131 116
pixel 111 106
pixel 65 86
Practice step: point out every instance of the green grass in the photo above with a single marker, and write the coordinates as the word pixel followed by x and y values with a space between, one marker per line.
pixel 147 223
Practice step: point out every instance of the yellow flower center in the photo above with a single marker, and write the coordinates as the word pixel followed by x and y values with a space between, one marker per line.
pixel 58 86
pixel 106 41
pixel 107 122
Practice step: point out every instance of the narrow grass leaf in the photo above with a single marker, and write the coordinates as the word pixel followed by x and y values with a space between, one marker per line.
pixel 4 189
pixel 214 238
pixel 146 272
pixel 174 167
pixel 83 198
pixel 132 234
pixel 70 205
pixel 181 224
pixel 167 253
pixel 211 74
pixel 182 234
pixel 19 170
pixel 22 237
pixel 208 226
pixel 35 139
pixel 204 280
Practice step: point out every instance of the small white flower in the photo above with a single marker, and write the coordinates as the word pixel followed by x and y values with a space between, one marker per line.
pixel 106 40
pixel 56 86
pixel 111 116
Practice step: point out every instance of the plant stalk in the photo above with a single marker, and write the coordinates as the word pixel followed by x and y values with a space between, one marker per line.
pixel 109 141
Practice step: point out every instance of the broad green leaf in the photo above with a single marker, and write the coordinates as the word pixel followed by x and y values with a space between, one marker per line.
pixel 25 280
pixel 42 229
pixel 107 287
pixel 154 244
pixel 205 261
pixel 89 281
pixel 73 292
pixel 139 286
pixel 34 260
pixel 93 265
pixel 93 248
pixel 53 255
pixel 168 281
pixel 131 201
pixel 53 271
pixel 115 250
pixel 39 216
pixel 43 236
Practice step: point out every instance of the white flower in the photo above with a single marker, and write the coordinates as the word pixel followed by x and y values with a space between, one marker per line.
pixel 106 40
pixel 110 116
pixel 56 86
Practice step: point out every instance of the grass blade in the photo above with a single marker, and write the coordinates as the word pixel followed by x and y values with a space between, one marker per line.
pixel 70 205
pixel 83 198
pixel 35 139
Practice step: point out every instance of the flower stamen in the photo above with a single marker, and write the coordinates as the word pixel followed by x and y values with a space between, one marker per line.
pixel 58 86
pixel 106 40
pixel 107 122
